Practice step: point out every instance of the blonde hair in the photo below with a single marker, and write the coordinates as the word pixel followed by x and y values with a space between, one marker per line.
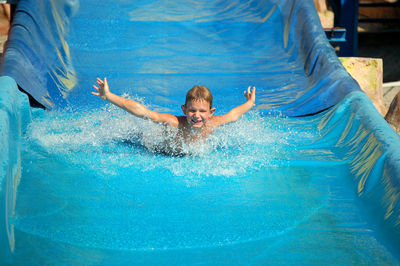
pixel 199 93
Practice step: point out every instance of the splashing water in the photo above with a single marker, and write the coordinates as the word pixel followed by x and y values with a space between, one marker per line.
pixel 100 171
pixel 118 140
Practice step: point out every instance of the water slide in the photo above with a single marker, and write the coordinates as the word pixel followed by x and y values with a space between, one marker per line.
pixel 309 176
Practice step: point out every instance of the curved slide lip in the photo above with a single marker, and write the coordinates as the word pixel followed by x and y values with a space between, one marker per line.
pixel 14 117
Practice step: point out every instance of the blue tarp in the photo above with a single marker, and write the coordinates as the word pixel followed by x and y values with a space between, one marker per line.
pixel 159 49
pixel 222 44
pixel 14 117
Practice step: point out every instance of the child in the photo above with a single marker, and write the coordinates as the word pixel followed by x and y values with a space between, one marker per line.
pixel 198 119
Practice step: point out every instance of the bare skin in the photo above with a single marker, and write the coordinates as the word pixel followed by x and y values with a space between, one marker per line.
pixel 199 119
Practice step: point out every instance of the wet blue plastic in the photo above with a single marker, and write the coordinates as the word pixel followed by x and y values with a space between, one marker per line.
pixel 322 189
pixel 14 117
pixel 165 48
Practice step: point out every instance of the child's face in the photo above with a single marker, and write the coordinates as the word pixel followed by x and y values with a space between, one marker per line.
pixel 197 112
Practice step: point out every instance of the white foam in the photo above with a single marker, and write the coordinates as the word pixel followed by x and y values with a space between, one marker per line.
pixel 111 140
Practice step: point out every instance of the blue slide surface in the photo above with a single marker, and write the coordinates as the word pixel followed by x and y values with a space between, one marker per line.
pixel 310 175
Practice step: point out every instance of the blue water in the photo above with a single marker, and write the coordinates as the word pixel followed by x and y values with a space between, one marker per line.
pixel 268 189
pixel 257 191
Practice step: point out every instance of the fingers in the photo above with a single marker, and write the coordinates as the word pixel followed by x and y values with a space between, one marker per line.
pixel 248 93
pixel 100 83
pixel 98 91
pixel 101 89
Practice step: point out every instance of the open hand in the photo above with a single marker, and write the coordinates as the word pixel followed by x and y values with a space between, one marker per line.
pixel 250 96
pixel 103 90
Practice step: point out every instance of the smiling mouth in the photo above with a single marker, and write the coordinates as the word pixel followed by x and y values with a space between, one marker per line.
pixel 196 122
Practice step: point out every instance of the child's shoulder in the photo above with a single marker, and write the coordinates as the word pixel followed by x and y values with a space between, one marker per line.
pixel 182 122
pixel 216 121
pixel 170 119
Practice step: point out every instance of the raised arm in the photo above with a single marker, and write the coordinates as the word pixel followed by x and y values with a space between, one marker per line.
pixel 234 114
pixel 133 107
